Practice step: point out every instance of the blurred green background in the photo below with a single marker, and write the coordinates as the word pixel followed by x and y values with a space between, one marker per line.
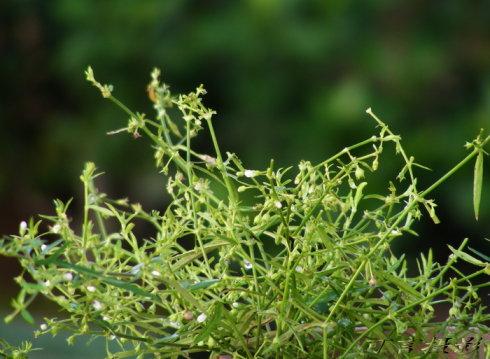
pixel 289 79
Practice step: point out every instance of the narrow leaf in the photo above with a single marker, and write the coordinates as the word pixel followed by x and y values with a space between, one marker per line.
pixel 467 258
pixel 481 255
pixel 400 283
pixel 477 183
pixel 202 285
pixel 27 316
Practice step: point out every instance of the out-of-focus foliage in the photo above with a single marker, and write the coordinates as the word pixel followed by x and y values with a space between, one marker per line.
pixel 290 80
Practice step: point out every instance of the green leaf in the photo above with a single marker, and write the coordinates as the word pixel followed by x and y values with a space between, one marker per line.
pixel 53 258
pixel 467 258
pixel 31 288
pixel 358 194
pixel 477 183
pixel 201 285
pixel 487 258
pixel 103 211
pixel 400 283
pixel 189 256
pixel 27 316
pixel 321 303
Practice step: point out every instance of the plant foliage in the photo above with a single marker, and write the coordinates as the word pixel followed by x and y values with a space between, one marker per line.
pixel 277 262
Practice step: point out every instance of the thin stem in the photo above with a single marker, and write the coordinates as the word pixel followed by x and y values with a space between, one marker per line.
pixel 391 316
pixel 401 216
pixel 221 167
pixel 190 177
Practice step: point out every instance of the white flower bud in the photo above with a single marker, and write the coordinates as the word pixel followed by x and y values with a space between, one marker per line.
pixel 22 228
pixel 91 288
pixel 136 269
pixel 155 273
pixel 250 173
pixel 56 228
pixel 68 276
pixel 201 318
pixel 43 326
pixel 97 305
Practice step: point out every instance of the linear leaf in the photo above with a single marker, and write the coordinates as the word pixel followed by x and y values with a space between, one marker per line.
pixel 481 255
pixel 27 316
pixel 477 183
pixel 400 283
pixel 467 258
pixel 201 285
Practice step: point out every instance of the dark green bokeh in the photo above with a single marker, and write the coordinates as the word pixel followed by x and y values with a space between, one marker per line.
pixel 290 80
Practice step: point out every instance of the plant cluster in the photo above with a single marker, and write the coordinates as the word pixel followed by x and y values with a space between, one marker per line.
pixel 248 263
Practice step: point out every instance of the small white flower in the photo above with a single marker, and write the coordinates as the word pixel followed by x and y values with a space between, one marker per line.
pixel 299 269
pixel 22 227
pixel 250 173
pixel 395 232
pixel 352 184
pixel 91 288
pixel 56 228
pixel 47 283
pixel 68 276
pixel 235 304
pixel 97 305
pixel 43 247
pixel 43 326
pixel 247 264
pixel 155 273
pixel 105 317
pixel 201 318
pixel 278 204
pixel 208 159
pixel 136 269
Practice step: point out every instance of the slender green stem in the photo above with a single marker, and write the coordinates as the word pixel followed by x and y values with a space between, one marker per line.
pixel 406 308
pixel 221 166
pixel 85 214
pixel 400 217
pixel 190 177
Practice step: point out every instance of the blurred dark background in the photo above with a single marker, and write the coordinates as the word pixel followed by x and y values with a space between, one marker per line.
pixel 289 79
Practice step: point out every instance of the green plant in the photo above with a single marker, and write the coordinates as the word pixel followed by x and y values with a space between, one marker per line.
pixel 9 351
pixel 248 263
